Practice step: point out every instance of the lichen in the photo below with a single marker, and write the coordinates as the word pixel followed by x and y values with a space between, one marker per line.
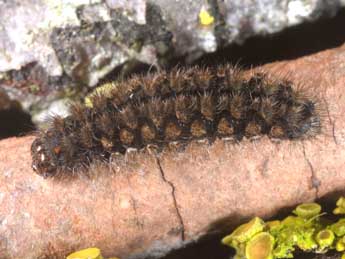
pixel 307 210
pixel 340 209
pixel 260 246
pixel 103 89
pixel 308 230
pixel 205 18
pixel 325 239
pixel 244 232
pixel 88 253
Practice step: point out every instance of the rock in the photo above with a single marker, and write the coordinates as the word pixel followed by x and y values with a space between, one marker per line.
pixel 144 205
pixel 90 52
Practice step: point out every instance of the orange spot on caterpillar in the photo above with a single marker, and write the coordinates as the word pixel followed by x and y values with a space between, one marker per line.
pixel 172 131
pixel 57 150
pixel 148 133
pixel 126 137
pixel 198 129
pixel 224 128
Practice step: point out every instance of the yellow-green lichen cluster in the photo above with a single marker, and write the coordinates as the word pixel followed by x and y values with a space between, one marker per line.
pixel 205 18
pixel 306 230
pixel 104 90
pixel 88 253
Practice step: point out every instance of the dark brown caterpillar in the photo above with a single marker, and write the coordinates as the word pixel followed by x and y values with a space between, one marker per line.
pixel 175 106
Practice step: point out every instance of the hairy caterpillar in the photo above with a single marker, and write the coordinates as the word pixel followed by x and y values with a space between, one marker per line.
pixel 181 105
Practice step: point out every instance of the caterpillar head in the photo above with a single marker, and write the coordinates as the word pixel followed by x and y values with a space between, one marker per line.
pixel 52 151
pixel 43 162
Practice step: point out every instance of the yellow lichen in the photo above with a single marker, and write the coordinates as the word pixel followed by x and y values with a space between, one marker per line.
pixel 340 246
pixel 205 18
pixel 244 232
pixel 104 89
pixel 340 206
pixel 325 238
pixel 339 228
pixel 260 246
pixel 272 224
pixel 307 210
pixel 308 231
pixel 88 253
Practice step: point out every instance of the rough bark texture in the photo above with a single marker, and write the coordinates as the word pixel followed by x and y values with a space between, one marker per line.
pixel 148 205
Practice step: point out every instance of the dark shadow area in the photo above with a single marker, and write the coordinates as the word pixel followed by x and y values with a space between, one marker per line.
pixel 219 251
pixel 289 44
pixel 329 255
pixel 15 122
pixel 210 248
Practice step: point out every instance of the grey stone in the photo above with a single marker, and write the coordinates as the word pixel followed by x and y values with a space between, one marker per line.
pixel 134 8
pixel 88 53
pixel 262 17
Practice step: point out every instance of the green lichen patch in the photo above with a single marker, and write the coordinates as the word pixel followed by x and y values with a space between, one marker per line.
pixel 339 228
pixel 325 239
pixel 244 232
pixel 88 253
pixel 307 210
pixel 260 246
pixel 340 209
pixel 308 230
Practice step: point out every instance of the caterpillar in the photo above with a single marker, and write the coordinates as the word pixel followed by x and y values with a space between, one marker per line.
pixel 176 106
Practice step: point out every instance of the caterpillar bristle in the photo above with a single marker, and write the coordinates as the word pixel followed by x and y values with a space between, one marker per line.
pixel 194 104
